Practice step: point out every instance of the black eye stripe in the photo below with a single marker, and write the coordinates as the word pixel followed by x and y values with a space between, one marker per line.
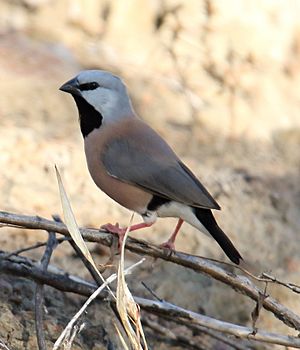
pixel 88 86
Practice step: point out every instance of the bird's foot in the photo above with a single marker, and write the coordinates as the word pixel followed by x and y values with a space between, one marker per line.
pixel 168 245
pixel 117 230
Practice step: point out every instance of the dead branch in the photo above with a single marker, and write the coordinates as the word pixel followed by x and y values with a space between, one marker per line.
pixel 166 335
pixel 209 332
pixel 268 278
pixel 39 292
pixel 239 283
pixel 236 344
pixel 24 267
pixel 35 246
pixel 175 339
pixel 194 320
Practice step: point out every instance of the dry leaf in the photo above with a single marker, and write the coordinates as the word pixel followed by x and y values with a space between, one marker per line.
pixel 73 227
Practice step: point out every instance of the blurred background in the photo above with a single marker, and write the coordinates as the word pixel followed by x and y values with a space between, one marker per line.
pixel 219 80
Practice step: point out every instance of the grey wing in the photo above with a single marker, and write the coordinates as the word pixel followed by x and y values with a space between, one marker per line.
pixel 161 174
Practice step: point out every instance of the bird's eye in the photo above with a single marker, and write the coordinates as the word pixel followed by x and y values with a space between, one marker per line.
pixel 89 86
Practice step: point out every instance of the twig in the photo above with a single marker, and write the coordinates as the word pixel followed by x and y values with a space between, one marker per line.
pixel 24 267
pixel 234 343
pixel 256 311
pixel 3 346
pixel 65 335
pixel 170 337
pixel 263 277
pixel 239 283
pixel 166 332
pixel 21 267
pixel 268 278
pixel 190 319
pixel 35 246
pixel 152 292
pixel 39 292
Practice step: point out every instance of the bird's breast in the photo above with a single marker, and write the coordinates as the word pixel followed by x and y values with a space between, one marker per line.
pixel 128 195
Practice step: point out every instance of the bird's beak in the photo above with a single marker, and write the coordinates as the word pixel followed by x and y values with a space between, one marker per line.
pixel 71 87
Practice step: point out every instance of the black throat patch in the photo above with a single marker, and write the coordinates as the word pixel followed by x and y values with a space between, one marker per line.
pixel 89 117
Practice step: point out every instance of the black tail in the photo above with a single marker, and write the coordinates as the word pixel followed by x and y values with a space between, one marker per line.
pixel 207 219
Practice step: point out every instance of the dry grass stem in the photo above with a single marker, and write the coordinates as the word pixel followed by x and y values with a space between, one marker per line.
pixel 128 310
pixel 123 342
pixel 68 331
pixel 3 346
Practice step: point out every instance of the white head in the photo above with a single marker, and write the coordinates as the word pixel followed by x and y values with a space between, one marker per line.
pixel 103 91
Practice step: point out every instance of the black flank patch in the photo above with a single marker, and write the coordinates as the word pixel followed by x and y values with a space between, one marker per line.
pixel 156 202
pixel 90 118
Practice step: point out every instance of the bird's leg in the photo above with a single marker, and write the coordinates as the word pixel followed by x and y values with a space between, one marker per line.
pixel 170 243
pixel 116 229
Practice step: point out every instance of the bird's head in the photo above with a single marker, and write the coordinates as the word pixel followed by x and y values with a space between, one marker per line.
pixel 97 91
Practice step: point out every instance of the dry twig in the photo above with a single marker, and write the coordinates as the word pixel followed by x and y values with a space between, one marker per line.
pixel 35 246
pixel 3 346
pixel 24 267
pixel 39 292
pixel 68 333
pixel 165 334
pixel 268 278
pixel 239 283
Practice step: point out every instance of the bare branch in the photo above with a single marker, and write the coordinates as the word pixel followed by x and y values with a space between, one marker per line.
pixel 190 319
pixel 256 312
pixel 234 343
pixel 39 295
pixel 268 278
pixel 24 267
pixel 35 246
pixel 239 283
pixel 152 292
pixel 165 334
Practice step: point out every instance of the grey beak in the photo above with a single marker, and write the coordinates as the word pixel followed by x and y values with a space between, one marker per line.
pixel 71 87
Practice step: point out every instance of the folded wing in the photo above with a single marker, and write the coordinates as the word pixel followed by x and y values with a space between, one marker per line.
pixel 152 165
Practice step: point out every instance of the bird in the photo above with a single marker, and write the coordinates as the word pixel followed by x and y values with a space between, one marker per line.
pixel 135 166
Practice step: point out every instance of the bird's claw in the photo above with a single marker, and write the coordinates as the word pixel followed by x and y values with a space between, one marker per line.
pixel 117 230
pixel 169 247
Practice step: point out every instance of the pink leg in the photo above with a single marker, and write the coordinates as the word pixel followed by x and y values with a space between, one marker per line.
pixel 116 229
pixel 170 244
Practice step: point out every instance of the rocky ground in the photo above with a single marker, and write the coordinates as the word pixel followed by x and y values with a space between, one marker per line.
pixel 219 81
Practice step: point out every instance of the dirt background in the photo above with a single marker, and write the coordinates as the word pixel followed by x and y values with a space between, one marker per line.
pixel 220 80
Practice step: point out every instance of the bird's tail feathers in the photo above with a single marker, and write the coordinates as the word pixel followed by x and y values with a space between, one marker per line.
pixel 207 219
